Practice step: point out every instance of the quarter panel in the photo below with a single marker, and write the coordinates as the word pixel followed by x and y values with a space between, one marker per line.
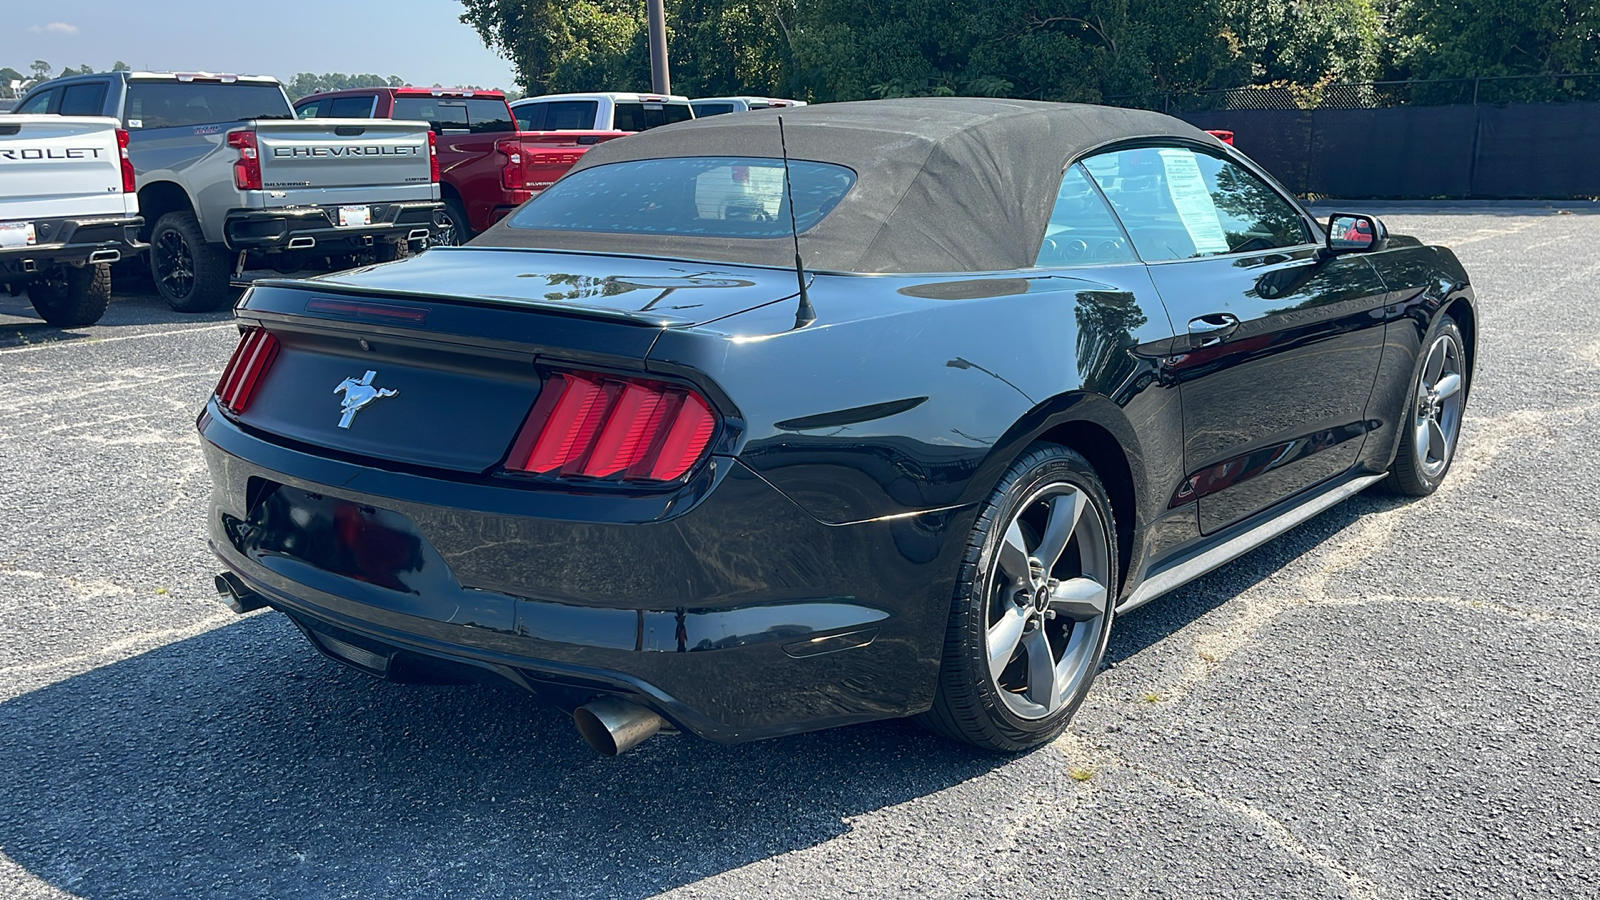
pixel 913 393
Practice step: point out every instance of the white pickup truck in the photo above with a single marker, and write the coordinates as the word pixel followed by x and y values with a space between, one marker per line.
pixel 67 211
pixel 230 181
pixel 605 111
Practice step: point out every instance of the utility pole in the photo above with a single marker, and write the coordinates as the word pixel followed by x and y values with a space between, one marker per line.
pixel 660 80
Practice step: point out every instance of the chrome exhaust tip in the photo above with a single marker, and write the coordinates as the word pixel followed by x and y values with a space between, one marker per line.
pixel 105 256
pixel 612 725
pixel 239 598
pixel 303 242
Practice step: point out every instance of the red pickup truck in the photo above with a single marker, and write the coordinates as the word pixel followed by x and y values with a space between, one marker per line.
pixel 486 166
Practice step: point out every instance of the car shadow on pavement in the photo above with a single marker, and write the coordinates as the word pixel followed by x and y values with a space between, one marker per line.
pixel 240 763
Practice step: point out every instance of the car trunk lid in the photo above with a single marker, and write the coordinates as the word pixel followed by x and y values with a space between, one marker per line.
pixel 653 291
pixel 370 363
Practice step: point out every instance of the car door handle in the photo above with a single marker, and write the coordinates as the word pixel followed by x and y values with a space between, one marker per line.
pixel 1209 329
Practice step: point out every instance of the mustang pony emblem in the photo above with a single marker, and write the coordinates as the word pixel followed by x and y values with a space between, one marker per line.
pixel 357 394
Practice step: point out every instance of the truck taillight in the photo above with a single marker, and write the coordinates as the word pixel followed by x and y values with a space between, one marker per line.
pixel 248 365
pixel 247 170
pixel 512 176
pixel 128 185
pixel 622 429
pixel 433 157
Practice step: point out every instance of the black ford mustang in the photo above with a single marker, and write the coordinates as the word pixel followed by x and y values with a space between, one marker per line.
pixel 1049 362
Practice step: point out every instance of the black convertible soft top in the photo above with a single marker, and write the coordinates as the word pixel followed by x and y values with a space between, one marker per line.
pixel 956 184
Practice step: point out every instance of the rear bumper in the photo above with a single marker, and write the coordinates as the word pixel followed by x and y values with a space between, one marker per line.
pixel 308 227
pixel 726 608
pixel 74 242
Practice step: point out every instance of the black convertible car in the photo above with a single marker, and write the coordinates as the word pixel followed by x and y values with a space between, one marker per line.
pixel 1037 365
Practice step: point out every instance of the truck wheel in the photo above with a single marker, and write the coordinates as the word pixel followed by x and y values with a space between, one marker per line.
pixel 457 232
pixel 190 274
pixel 389 251
pixel 72 296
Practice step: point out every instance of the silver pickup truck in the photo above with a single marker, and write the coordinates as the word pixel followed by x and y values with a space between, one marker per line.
pixel 230 181
pixel 67 211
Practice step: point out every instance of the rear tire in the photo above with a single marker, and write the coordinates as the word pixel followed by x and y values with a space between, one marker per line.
pixel 1430 429
pixel 390 251
pixel 74 296
pixel 190 274
pixel 459 231
pixel 1033 605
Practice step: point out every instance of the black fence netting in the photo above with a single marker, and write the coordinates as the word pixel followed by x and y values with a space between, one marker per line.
pixel 1490 138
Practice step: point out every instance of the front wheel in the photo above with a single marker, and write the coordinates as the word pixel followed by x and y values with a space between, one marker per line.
pixel 1033 605
pixel 1431 421
pixel 72 296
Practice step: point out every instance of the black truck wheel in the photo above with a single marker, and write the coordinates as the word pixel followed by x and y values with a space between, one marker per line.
pixel 191 275
pixel 72 296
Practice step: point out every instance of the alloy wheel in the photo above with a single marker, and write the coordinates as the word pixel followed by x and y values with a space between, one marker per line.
pixel 175 263
pixel 1437 417
pixel 1048 601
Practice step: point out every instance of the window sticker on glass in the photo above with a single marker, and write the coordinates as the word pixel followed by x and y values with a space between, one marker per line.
pixel 1193 201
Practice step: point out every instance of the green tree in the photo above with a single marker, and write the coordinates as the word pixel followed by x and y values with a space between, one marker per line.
pixel 563 46
pixel 120 66
pixel 41 70
pixel 1307 42
pixel 307 83
pixel 1471 38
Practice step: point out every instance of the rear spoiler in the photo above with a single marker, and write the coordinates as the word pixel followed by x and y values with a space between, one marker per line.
pixel 302 286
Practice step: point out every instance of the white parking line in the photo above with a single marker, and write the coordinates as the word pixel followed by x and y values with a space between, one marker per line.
pixel 125 337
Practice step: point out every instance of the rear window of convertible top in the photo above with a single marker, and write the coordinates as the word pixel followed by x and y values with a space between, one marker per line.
pixel 705 196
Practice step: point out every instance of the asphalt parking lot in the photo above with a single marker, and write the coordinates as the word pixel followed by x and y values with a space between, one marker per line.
pixel 1393 700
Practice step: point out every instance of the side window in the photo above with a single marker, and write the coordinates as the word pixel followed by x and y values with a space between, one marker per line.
pixel 628 117
pixel 88 99
pixel 1082 230
pixel 317 110
pixel 350 107
pixel 38 103
pixel 570 115
pixel 1177 203
pixel 1252 214
pixel 530 116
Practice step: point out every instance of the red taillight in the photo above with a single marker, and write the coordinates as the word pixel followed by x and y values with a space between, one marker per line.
pixel 433 157
pixel 249 363
pixel 512 177
pixel 247 171
pixel 128 185
pixel 598 426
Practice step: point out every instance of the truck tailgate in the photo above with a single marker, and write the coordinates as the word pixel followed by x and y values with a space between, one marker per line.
pixel 57 166
pixel 549 154
pixel 320 161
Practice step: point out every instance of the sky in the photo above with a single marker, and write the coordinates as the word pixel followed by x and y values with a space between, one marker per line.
pixel 422 41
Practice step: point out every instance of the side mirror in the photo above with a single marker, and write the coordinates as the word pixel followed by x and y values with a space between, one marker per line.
pixel 1353 233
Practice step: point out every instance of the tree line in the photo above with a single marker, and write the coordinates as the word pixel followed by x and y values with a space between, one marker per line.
pixel 1125 51
pixel 300 85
